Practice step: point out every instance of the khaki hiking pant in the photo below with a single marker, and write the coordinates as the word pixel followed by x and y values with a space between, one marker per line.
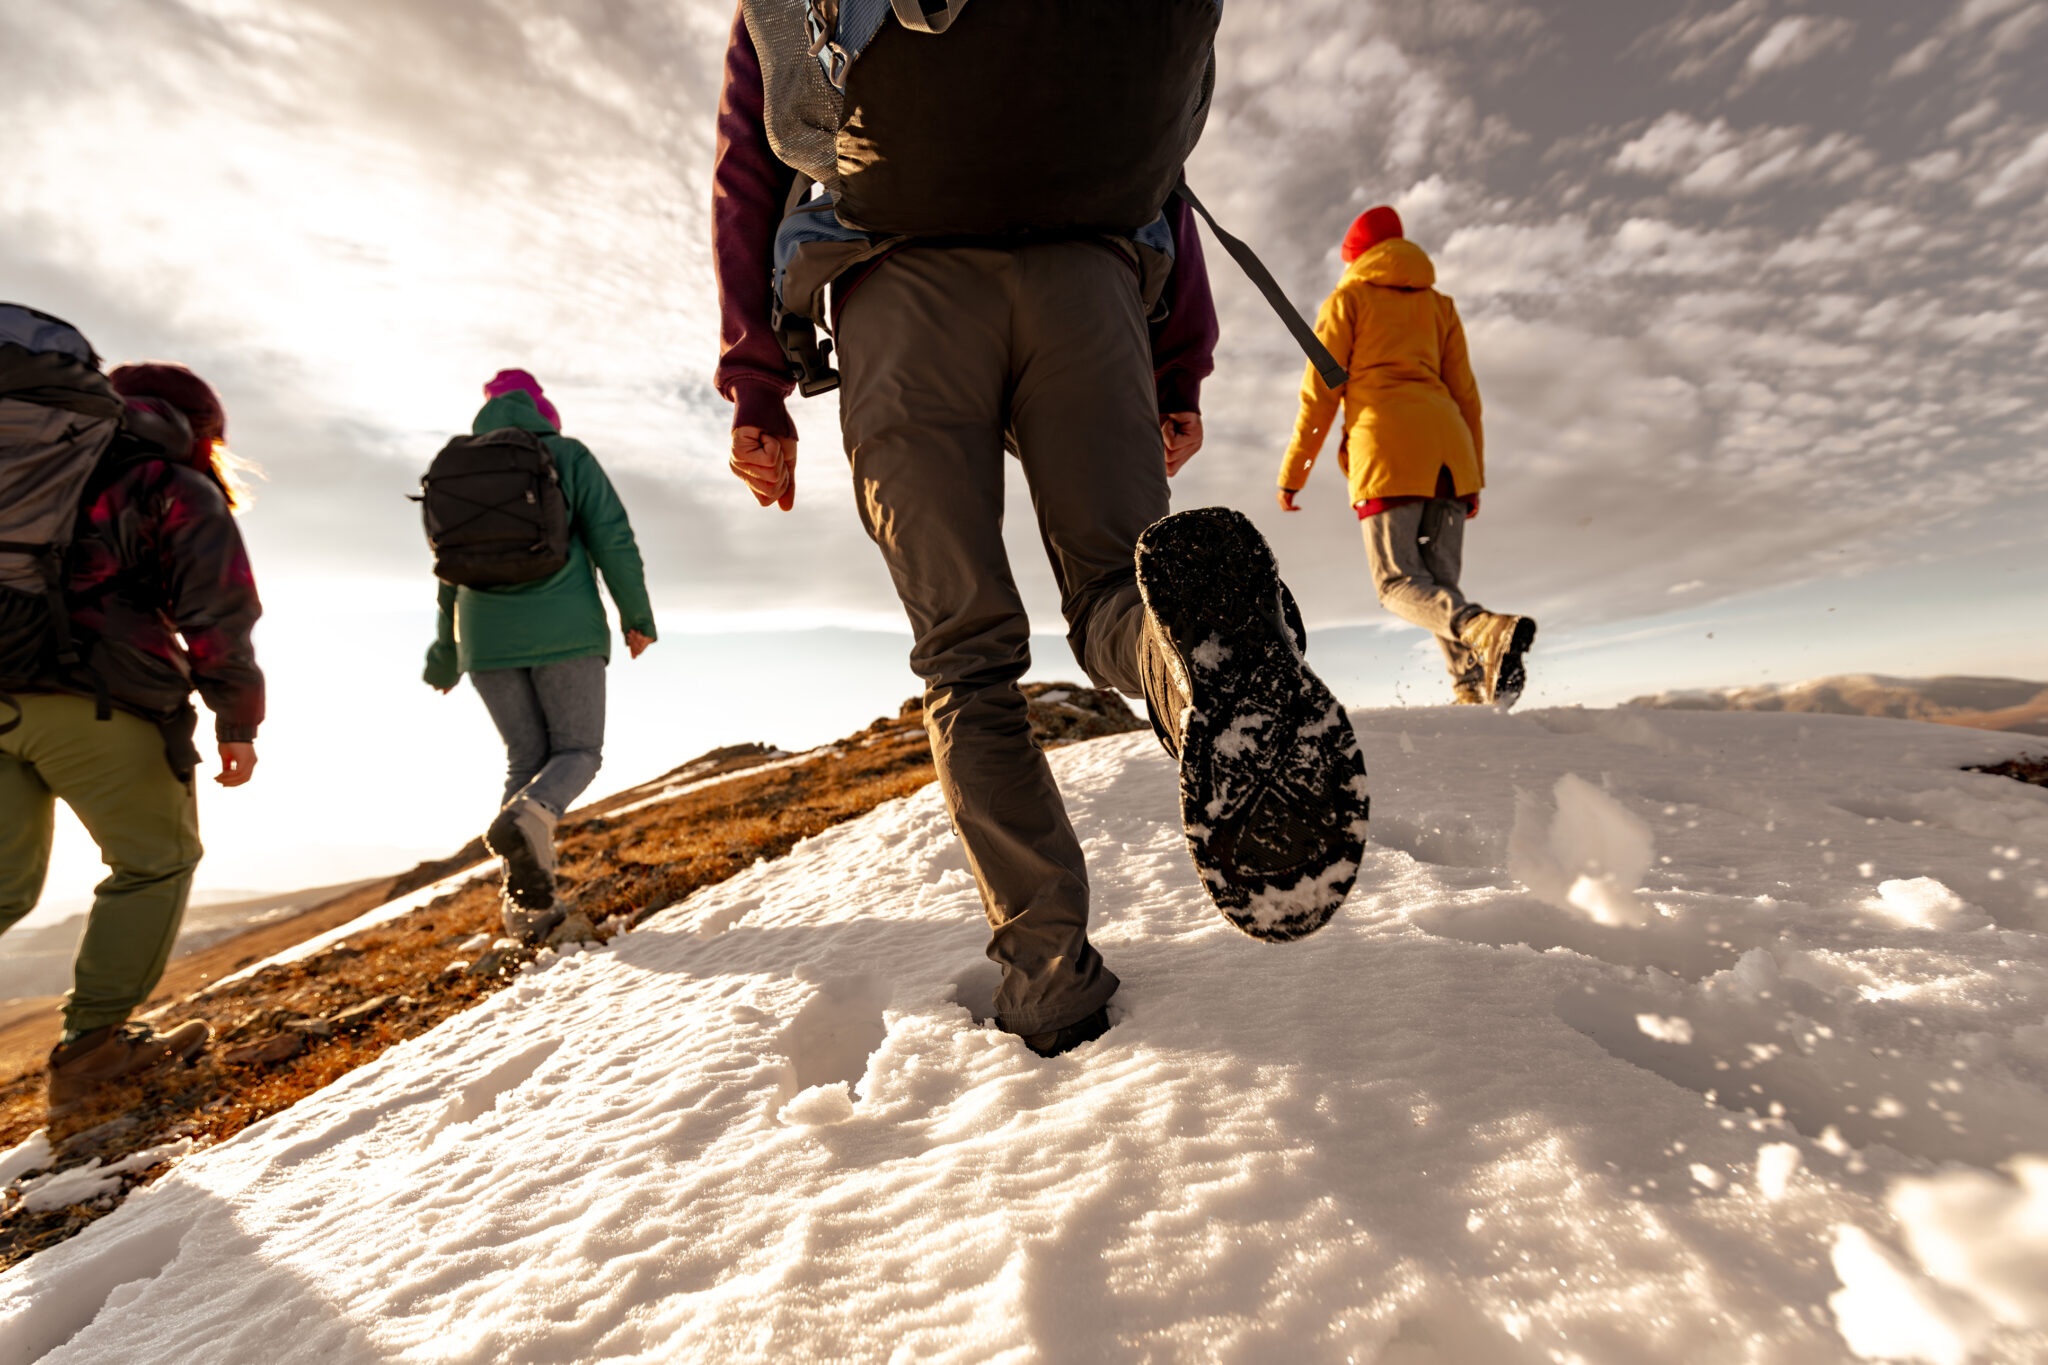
pixel 1416 552
pixel 113 775
pixel 947 355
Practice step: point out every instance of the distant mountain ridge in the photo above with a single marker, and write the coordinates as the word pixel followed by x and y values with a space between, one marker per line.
pixel 2011 704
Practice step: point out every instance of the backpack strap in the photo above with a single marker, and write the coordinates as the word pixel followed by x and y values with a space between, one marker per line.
pixel 927 16
pixel 71 666
pixel 1334 375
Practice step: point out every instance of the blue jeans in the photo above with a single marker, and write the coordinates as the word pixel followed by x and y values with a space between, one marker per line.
pixel 552 721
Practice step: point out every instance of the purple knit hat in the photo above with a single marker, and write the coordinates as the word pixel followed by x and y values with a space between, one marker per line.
pixel 519 381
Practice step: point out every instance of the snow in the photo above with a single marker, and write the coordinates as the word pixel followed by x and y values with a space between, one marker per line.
pixel 1776 1164
pixel 31 1154
pixel 83 1184
pixel 770 1124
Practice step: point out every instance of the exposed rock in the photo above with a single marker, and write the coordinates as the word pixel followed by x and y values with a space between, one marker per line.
pixel 574 928
pixel 312 1028
pixel 355 1016
pixel 276 1048
pixel 1062 713
pixel 96 1140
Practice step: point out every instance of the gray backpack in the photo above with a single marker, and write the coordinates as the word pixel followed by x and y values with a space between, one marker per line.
pixel 58 415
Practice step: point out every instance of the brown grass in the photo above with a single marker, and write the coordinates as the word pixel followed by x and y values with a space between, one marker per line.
pixel 610 865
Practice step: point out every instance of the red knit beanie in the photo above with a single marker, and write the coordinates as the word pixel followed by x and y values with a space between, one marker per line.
pixel 519 381
pixel 1374 226
pixel 183 390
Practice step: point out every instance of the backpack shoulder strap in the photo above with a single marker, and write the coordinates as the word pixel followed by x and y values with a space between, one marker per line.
pixel 1334 374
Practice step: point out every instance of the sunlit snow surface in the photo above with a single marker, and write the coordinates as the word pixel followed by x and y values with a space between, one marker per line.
pixel 1463 1123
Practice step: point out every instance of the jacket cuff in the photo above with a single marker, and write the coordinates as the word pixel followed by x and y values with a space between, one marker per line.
pixel 224 733
pixel 443 669
pixel 1179 391
pixel 759 405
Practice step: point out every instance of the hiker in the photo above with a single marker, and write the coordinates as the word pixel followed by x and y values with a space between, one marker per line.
pixel 532 637
pixel 1054 304
pixel 122 488
pixel 1413 449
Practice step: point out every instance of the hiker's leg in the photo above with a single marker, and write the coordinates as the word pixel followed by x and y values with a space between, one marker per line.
pixel 1086 422
pixel 515 709
pixel 1402 575
pixel 1442 538
pixel 571 696
pixel 113 775
pixel 27 824
pixel 925 348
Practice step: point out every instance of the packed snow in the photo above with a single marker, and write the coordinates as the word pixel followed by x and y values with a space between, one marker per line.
pixel 1645 1037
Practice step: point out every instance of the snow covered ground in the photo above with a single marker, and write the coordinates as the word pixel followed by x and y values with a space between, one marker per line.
pixel 1647 1037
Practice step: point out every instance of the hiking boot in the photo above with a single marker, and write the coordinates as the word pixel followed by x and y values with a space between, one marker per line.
pixel 524 836
pixel 1500 642
pixel 100 1057
pixel 1053 1042
pixel 531 927
pixel 1467 694
pixel 1272 783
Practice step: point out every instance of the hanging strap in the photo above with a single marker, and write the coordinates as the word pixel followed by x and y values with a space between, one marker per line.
pixel 1334 375
pixel 927 16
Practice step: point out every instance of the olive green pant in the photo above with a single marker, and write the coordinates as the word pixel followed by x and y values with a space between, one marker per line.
pixel 113 775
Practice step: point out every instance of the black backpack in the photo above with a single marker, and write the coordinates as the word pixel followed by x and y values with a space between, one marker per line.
pixel 58 416
pixel 1003 119
pixel 1052 116
pixel 494 510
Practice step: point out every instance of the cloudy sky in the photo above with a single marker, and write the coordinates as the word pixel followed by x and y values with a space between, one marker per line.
pixel 1755 294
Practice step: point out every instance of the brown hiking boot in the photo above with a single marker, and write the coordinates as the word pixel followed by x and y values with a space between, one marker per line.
pixel 117 1052
pixel 1467 694
pixel 1500 642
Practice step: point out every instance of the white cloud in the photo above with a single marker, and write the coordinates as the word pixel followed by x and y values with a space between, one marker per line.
pixel 2025 174
pixel 1796 40
pixel 1717 161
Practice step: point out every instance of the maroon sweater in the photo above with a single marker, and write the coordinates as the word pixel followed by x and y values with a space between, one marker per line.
pixel 748 188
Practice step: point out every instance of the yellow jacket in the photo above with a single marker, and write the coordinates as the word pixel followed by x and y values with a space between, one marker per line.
pixel 1411 406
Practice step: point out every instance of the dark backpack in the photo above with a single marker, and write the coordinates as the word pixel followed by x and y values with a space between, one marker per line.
pixel 1002 119
pixel 58 416
pixel 937 118
pixel 494 510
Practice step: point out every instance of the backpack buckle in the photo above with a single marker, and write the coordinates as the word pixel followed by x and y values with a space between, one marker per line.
pixel 823 28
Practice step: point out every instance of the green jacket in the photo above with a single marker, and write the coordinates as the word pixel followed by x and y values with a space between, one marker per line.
pixel 559 617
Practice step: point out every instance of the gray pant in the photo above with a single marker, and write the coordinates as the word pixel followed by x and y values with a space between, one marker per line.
pixel 1416 552
pixel 949 354
pixel 552 721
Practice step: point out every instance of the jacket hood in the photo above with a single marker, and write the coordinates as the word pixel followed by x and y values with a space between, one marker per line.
pixel 514 409
pixel 155 424
pixel 1397 263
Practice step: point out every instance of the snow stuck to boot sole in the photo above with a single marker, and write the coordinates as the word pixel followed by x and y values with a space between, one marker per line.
pixel 1272 783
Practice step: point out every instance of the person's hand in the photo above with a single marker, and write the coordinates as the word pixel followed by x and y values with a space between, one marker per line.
pixel 1182 432
pixel 1473 510
pixel 1287 499
pixel 766 464
pixel 237 764
pixel 637 643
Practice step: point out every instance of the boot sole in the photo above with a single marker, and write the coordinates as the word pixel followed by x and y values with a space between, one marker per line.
pixel 1272 782
pixel 1513 676
pixel 525 879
